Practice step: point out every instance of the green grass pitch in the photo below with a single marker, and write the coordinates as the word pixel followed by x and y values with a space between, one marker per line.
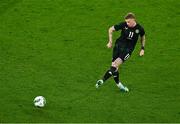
pixel 57 48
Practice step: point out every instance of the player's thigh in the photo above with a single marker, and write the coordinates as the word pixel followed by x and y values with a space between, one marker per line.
pixel 117 62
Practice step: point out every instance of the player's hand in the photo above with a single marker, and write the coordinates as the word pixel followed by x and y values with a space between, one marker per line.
pixel 109 45
pixel 141 53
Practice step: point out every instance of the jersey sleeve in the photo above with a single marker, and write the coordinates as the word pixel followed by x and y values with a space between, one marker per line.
pixel 142 32
pixel 119 26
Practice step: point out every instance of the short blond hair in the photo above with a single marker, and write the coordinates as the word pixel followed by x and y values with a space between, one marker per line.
pixel 130 15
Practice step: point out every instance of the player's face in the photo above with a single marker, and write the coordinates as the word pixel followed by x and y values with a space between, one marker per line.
pixel 130 22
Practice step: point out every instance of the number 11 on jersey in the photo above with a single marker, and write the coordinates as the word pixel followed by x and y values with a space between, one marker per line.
pixel 131 34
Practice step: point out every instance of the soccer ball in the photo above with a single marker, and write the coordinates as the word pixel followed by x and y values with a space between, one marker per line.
pixel 39 101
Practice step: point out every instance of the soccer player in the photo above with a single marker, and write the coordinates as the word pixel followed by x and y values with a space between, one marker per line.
pixel 124 46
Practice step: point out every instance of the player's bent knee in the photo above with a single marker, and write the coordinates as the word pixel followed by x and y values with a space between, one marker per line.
pixel 115 65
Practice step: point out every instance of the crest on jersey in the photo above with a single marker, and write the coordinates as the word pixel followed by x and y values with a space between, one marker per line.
pixel 137 31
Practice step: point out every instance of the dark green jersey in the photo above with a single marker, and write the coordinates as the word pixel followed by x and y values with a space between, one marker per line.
pixel 129 36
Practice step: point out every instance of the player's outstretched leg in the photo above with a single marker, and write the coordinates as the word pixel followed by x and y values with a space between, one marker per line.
pixel 106 76
pixel 118 83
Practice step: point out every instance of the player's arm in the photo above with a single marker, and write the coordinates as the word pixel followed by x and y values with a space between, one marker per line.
pixel 143 40
pixel 116 27
pixel 110 32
